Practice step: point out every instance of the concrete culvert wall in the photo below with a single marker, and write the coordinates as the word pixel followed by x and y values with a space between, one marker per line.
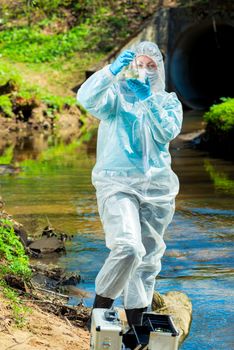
pixel 201 64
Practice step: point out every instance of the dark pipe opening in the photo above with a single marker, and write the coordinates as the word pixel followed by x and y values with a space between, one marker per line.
pixel 201 66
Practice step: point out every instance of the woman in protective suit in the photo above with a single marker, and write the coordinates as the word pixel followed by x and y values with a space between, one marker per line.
pixel 135 185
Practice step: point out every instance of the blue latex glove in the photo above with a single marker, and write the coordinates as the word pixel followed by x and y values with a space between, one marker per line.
pixel 121 61
pixel 141 90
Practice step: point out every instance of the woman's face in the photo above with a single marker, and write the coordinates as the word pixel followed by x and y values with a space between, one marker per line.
pixel 145 62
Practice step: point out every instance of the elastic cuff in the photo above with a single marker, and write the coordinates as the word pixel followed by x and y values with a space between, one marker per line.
pixel 150 103
pixel 145 99
pixel 108 72
pixel 148 98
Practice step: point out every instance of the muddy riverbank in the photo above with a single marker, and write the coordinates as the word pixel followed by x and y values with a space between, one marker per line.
pixel 42 331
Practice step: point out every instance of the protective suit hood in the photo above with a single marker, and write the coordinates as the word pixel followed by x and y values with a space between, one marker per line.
pixel 156 77
pixel 151 50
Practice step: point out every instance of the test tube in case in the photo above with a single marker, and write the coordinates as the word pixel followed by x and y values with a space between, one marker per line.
pixel 106 330
pixel 163 333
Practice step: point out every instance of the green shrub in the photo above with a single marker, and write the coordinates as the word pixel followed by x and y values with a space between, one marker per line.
pixel 56 103
pixel 221 117
pixel 13 261
pixel 12 254
pixel 219 135
pixel 7 156
pixel 6 105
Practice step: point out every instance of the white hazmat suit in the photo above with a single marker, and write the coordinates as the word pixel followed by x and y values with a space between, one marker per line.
pixel 135 185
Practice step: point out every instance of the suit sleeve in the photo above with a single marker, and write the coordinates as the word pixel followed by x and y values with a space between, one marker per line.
pixel 97 94
pixel 164 115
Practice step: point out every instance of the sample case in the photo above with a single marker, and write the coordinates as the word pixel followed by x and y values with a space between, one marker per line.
pixel 106 330
pixel 156 332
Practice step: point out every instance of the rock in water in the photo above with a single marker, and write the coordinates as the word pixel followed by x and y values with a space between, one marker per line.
pixel 47 245
pixel 177 305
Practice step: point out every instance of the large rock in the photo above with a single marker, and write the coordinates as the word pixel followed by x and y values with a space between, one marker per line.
pixel 47 245
pixel 177 305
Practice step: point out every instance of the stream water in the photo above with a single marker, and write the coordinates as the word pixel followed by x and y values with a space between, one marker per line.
pixel 56 189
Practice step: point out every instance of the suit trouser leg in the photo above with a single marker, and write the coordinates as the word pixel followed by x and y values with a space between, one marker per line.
pixel 122 228
pixel 154 219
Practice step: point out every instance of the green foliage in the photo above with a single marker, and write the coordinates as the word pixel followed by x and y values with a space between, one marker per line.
pixel 56 103
pixel 13 261
pixel 48 6
pixel 12 252
pixel 29 91
pixel 7 156
pixel 61 40
pixel 7 72
pixel 6 105
pixel 69 26
pixel 19 310
pixel 53 102
pixel 32 45
pixel 221 116
pixel 26 9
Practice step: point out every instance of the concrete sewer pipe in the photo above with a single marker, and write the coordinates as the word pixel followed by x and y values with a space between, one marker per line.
pixel 201 68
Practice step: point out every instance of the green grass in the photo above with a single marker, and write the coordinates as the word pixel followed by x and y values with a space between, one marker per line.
pixel 31 45
pixel 8 72
pixel 96 28
pixel 55 61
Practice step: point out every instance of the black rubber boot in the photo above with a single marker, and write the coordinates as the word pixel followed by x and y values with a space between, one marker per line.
pixel 102 302
pixel 99 303
pixel 134 316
